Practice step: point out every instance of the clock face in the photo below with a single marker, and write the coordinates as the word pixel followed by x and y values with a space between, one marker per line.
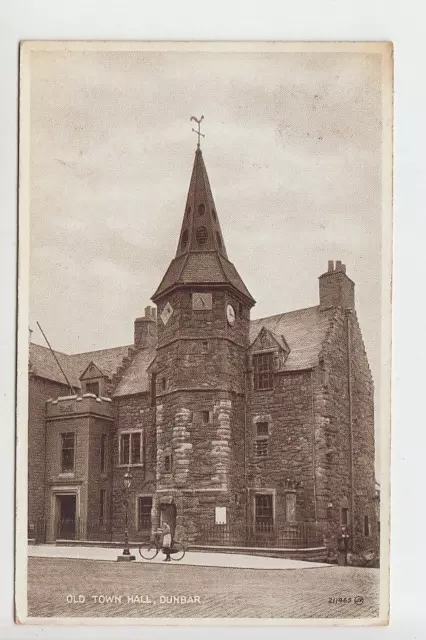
pixel 201 301
pixel 166 313
pixel 230 314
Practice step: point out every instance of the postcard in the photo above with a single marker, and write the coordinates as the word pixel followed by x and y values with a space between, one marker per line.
pixel 205 234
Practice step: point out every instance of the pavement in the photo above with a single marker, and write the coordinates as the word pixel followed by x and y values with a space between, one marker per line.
pixel 78 588
pixel 192 558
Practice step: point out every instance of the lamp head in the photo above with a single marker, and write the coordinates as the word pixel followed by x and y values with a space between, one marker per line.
pixel 127 479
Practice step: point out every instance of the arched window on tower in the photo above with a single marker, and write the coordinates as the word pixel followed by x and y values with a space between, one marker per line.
pixel 184 238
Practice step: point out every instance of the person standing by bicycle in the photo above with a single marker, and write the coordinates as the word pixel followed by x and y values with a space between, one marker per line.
pixel 167 541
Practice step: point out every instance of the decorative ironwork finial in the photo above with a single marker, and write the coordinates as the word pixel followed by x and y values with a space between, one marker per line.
pixel 198 132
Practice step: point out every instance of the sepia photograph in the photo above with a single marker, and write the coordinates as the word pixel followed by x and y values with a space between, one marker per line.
pixel 205 236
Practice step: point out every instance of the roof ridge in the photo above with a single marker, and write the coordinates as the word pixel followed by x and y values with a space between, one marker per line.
pixel 284 313
pixel 85 353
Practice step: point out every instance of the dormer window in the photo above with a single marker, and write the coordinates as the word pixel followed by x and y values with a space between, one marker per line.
pixel 92 387
pixel 263 367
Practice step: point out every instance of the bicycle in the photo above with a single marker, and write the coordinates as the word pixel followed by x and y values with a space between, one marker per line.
pixel 149 550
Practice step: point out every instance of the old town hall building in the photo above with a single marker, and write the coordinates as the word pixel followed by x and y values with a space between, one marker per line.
pixel 232 428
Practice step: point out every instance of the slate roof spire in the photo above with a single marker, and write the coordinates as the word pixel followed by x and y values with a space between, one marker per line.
pixel 201 256
pixel 200 226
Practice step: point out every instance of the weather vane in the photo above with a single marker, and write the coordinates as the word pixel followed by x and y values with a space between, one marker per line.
pixel 199 134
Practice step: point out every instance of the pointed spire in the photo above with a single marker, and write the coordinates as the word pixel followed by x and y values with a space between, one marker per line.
pixel 201 257
pixel 200 227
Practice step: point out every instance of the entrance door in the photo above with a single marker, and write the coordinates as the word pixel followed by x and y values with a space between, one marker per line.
pixel 168 514
pixel 66 505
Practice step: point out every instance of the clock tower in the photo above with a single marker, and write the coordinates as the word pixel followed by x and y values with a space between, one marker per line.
pixel 199 375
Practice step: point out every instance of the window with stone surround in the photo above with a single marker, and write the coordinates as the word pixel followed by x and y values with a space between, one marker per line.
pixel 92 387
pixel 205 417
pixel 262 437
pixel 130 448
pixel 264 511
pixel 263 366
pixel 168 463
pixel 67 452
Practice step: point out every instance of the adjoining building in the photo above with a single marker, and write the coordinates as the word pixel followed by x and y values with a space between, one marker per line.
pixel 249 432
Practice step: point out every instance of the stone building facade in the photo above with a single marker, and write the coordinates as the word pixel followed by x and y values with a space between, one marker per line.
pixel 228 425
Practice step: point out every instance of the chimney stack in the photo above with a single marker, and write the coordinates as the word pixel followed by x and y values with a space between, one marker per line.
pixel 145 333
pixel 335 288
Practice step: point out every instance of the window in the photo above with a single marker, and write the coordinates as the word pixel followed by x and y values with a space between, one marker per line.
pixel 261 448
pixel 201 209
pixel 102 506
pixel 201 235
pixel 204 346
pixel 345 516
pixel 168 463
pixel 366 527
pixel 67 453
pixel 104 452
pixel 262 363
pixel 163 384
pixel 214 214
pixel 264 515
pixel 262 429
pixel 92 387
pixel 131 448
pixel 290 507
pixel 218 240
pixel 185 236
pixel 205 417
pixel 262 433
pixel 144 513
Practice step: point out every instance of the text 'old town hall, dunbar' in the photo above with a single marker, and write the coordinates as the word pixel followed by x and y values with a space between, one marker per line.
pixel 238 432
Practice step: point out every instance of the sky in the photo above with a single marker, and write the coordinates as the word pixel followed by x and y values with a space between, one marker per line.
pixel 293 154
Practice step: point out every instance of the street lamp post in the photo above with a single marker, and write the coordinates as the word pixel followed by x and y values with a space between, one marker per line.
pixel 126 556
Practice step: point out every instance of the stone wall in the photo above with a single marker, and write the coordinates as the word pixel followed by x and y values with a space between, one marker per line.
pixel 39 390
pixel 346 428
pixel 99 480
pixel 133 413
pixel 288 410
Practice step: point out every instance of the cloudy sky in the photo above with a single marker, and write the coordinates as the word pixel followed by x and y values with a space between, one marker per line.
pixel 293 152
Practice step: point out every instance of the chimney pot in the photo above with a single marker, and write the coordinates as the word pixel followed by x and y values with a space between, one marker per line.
pixel 335 288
